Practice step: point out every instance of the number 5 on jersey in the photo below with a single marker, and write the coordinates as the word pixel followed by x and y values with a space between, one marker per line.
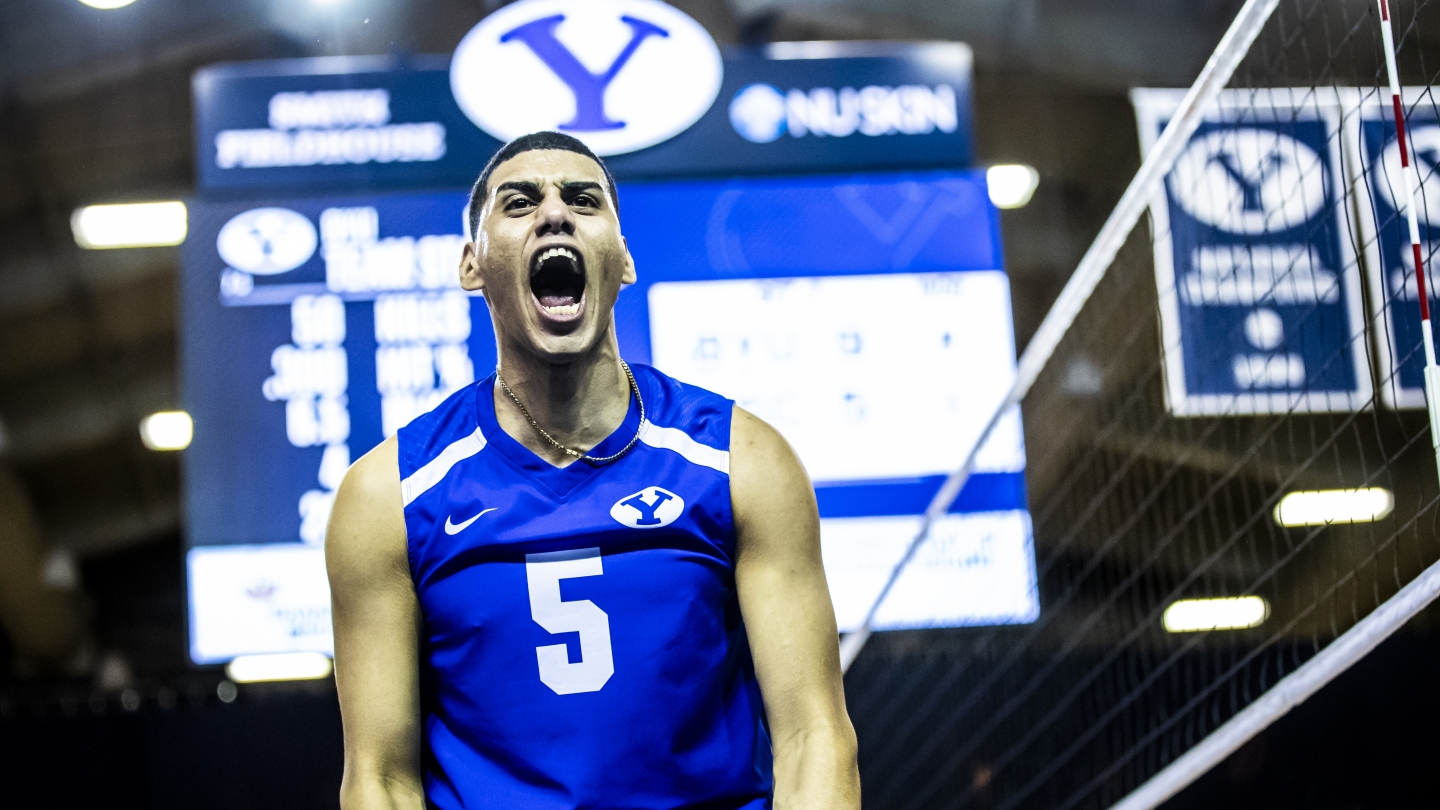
pixel 543 572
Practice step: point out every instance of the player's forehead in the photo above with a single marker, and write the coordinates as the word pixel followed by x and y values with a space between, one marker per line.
pixel 547 168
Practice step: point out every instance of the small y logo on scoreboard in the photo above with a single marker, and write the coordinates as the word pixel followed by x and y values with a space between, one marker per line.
pixel 267 241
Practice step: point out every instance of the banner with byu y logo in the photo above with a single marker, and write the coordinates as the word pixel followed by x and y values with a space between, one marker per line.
pixel 1390 261
pixel 1260 297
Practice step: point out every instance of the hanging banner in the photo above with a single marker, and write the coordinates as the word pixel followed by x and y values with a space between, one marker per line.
pixel 1260 298
pixel 1389 259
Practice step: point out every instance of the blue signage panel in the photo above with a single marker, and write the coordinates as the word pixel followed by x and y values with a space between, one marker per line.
pixel 332 123
pixel 1260 296
pixel 1390 261
pixel 376 122
pixel 313 327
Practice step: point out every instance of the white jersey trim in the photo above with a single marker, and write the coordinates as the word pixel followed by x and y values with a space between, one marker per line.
pixel 433 473
pixel 692 451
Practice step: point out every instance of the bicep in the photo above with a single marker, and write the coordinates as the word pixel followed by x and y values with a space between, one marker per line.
pixel 780 577
pixel 376 619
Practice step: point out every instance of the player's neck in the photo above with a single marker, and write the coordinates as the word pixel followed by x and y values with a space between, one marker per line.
pixel 579 403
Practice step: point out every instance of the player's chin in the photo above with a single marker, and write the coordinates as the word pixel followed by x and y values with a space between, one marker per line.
pixel 562 341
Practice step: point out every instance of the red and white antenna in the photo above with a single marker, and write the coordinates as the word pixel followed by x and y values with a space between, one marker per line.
pixel 1432 373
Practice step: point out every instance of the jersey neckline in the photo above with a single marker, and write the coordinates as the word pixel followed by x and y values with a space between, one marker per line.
pixel 560 480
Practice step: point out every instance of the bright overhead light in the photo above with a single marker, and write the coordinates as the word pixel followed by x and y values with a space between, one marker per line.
pixel 1225 613
pixel 153 224
pixel 303 666
pixel 1011 184
pixel 107 4
pixel 1318 507
pixel 167 430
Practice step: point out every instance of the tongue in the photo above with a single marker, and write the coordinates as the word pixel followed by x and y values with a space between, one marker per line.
pixel 557 300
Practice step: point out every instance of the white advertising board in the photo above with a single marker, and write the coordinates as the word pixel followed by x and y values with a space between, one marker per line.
pixel 259 599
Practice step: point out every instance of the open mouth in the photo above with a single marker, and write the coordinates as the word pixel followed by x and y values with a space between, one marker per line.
pixel 557 280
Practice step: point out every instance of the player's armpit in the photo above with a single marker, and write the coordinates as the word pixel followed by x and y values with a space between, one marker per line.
pixel 376 618
pixel 790 622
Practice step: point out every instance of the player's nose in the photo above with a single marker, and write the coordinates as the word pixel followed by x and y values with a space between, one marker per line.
pixel 554 217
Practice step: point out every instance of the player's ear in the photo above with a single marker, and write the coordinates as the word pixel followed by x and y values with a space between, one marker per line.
pixel 628 275
pixel 470 278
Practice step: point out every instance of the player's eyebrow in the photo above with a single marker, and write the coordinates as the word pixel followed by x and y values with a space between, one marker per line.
pixel 572 186
pixel 568 188
pixel 527 187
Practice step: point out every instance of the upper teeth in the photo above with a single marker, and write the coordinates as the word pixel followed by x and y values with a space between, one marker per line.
pixel 557 251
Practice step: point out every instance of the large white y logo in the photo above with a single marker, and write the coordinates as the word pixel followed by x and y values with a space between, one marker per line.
pixel 620 75
pixel 589 88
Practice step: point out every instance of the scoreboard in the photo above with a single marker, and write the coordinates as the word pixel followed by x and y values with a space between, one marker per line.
pixel 845 310
pixel 848 309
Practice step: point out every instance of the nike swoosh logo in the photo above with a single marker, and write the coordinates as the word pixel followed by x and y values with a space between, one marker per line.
pixel 452 528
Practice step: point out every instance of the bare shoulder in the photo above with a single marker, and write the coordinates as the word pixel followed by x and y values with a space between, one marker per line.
pixel 367 523
pixel 751 436
pixel 375 471
pixel 765 473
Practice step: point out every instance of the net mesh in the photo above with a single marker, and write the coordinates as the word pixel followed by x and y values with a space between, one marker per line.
pixel 1135 507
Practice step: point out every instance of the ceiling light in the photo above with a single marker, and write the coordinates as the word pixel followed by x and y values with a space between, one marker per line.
pixel 167 430
pixel 153 224
pixel 301 666
pixel 1011 184
pixel 107 4
pixel 1318 507
pixel 1225 613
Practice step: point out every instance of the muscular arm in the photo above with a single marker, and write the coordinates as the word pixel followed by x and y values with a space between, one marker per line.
pixel 376 619
pixel 786 607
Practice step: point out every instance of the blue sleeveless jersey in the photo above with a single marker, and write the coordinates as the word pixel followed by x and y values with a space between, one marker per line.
pixel 582 643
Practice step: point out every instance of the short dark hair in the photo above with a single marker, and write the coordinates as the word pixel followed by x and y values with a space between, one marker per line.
pixel 530 143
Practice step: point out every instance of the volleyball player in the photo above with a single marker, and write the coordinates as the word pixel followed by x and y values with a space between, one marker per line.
pixel 580 583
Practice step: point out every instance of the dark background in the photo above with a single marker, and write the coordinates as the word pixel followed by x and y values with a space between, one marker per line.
pixel 95 107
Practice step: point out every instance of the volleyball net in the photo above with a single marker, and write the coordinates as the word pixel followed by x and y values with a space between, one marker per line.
pixel 1231 477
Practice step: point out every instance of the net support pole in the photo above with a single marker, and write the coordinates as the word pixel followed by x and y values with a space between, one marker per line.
pixel 1357 642
pixel 1087 276
pixel 1432 374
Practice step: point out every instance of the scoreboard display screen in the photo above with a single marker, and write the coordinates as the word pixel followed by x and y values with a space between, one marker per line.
pixel 849 311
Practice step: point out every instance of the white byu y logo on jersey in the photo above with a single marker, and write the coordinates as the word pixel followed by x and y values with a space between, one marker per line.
pixel 619 75
pixel 650 508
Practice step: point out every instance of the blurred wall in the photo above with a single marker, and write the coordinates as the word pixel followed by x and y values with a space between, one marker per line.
pixel 39 613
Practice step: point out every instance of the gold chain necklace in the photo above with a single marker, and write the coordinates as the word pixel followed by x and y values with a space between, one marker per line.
pixel 576 453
